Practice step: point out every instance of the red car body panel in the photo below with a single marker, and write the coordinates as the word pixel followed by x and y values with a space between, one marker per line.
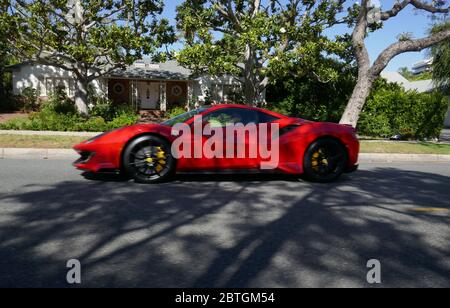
pixel 104 153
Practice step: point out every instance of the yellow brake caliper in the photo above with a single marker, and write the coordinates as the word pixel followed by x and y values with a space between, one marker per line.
pixel 161 158
pixel 315 160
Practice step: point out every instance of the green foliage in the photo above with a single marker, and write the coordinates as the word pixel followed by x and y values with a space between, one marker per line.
pixel 441 60
pixel 59 103
pixel 47 120
pixel 89 39
pixel 60 114
pixel 405 72
pixel 391 110
pixel 30 99
pixel 309 98
pixel 175 112
pixel 259 42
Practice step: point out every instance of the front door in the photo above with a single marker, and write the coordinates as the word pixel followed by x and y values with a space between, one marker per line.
pixel 148 94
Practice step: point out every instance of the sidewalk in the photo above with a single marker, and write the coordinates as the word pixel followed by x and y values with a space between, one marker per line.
pixel 53 154
pixel 48 133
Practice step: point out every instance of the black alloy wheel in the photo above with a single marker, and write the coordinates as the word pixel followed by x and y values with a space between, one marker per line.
pixel 148 160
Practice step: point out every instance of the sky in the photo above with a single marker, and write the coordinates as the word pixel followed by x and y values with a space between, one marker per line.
pixel 409 20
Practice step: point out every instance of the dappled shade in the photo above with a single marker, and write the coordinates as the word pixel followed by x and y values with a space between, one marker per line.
pixel 229 231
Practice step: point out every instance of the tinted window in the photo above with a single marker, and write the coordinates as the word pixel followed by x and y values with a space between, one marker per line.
pixel 265 118
pixel 184 117
pixel 226 116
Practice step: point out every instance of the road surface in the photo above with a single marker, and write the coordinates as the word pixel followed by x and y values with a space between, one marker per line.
pixel 224 231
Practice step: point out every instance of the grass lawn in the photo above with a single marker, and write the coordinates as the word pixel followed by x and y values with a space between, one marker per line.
pixel 66 142
pixel 404 147
pixel 44 142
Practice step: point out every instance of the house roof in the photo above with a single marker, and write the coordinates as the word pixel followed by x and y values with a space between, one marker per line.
pixel 17 66
pixel 423 63
pixel 420 86
pixel 143 69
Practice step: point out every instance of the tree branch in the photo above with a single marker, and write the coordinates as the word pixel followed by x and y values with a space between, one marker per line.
pixel 397 8
pixel 406 46
pixel 429 8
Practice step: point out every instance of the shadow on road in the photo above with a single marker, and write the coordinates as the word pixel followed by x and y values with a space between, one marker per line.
pixel 223 231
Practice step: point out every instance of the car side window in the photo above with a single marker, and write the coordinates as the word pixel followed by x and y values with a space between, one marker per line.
pixel 227 116
pixel 265 118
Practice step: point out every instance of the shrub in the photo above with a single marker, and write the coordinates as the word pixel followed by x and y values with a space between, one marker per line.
pixel 93 124
pixel 12 103
pixel 49 119
pixel 311 99
pixel 391 110
pixel 59 103
pixel 123 119
pixel 102 107
pixel 29 99
pixel 175 112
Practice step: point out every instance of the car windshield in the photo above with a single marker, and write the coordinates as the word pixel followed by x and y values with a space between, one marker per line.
pixel 184 116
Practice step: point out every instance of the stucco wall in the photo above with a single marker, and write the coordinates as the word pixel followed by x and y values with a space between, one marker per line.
pixel 35 76
pixel 205 83
pixel 447 119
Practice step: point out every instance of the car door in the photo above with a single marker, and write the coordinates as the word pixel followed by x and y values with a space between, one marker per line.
pixel 239 127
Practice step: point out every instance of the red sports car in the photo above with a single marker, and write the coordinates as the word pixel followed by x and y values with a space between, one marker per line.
pixel 147 152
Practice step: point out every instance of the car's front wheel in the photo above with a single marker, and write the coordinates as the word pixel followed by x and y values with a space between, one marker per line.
pixel 325 160
pixel 148 160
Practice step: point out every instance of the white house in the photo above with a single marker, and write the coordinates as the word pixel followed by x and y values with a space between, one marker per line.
pixel 423 66
pixel 145 85
pixel 420 86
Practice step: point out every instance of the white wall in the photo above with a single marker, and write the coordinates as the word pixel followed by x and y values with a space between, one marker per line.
pixel 447 119
pixel 205 82
pixel 36 75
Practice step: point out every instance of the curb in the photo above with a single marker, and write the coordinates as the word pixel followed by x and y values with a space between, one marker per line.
pixel 55 154
pixel 50 154
pixel 389 158
pixel 48 133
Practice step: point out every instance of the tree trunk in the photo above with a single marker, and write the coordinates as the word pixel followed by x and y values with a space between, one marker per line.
pixel 357 101
pixel 250 94
pixel 81 96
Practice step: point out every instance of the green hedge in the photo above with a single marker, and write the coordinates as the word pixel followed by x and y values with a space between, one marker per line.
pixel 45 120
pixel 391 110
pixel 59 113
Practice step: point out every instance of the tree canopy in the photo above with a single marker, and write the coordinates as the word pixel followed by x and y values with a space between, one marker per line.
pixel 441 59
pixel 256 39
pixel 370 18
pixel 89 38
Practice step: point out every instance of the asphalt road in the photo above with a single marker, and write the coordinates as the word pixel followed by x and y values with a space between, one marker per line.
pixel 224 231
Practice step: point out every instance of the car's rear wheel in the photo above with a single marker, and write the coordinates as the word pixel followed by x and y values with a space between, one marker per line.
pixel 148 160
pixel 325 160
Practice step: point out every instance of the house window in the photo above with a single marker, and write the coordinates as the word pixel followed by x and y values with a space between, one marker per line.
pixel 225 92
pixel 231 93
pixel 65 84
